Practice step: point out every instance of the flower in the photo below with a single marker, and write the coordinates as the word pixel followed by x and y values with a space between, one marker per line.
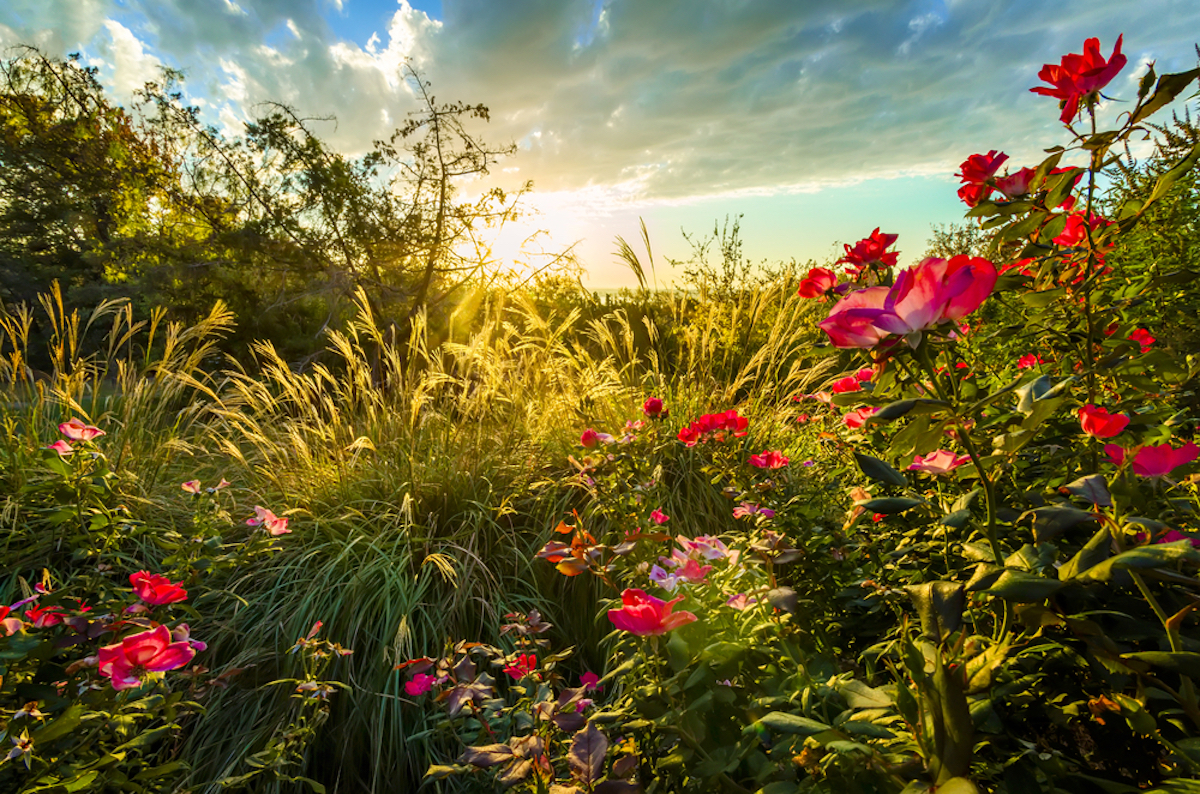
pixel 1076 231
pixel 590 681
pixel 643 615
pixel 1099 423
pixel 591 439
pixel 76 430
pixel 659 517
pixel 979 168
pixel 940 462
pixel 44 617
pixel 746 510
pixel 273 524
pixel 191 486
pixel 934 291
pixel 420 684
pixel 653 407
pixel 183 633
pixel 1154 461
pixel 847 384
pixel 156 589
pixel 802 418
pixel 712 427
pixel 709 547
pixel 741 601
pixel 851 320
pixel 818 282
pixel 525 664
pixel 973 195
pixel 1143 338
pixel 1080 77
pixel 1029 360
pixel 62 448
pixel 1172 535
pixel 663 578
pixel 1016 184
pixel 856 419
pixel 769 459
pixel 870 250
pixel 129 661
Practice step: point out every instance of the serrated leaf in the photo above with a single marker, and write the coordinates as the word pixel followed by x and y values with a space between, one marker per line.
pixel 1169 86
pixel 1093 488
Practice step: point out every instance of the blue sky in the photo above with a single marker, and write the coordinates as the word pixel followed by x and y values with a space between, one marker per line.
pixel 816 121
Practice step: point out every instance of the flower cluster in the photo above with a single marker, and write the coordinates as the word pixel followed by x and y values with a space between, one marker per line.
pixel 713 427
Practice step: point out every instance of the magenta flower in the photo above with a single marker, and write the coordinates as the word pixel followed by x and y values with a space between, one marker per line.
pixel 709 547
pixel 1016 184
pixel 156 589
pixel 769 459
pixel 845 385
pixel 644 615
pixel 856 419
pixel 77 430
pixel 979 168
pixel 938 463
pixel 818 282
pixel 524 665
pixel 851 321
pixel 591 439
pixel 653 407
pixel 870 250
pixel 1155 461
pixel 746 510
pixel 659 517
pixel 741 601
pixel 1029 360
pixel 934 291
pixel 129 661
pixel 191 486
pixel 590 681
pixel 420 684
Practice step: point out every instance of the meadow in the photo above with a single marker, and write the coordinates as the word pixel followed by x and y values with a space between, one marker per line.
pixel 841 528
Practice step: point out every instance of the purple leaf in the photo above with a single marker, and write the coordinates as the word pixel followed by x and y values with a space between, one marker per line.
pixel 588 750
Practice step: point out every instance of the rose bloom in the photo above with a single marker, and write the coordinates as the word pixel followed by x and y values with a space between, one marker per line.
pixel 847 384
pixel 869 250
pixel 851 320
pixel 44 617
pixel 856 419
pixel 156 589
pixel 643 615
pixel 62 448
pixel 653 407
pixel 769 459
pixel 1155 461
pixel 979 168
pixel 1143 338
pixel 938 463
pixel 1079 78
pixel 76 430
pixel 525 664
pixel 659 517
pixel 129 661
pixel 1029 360
pixel 1016 184
pixel 818 281
pixel 974 195
pixel 591 439
pixel 420 684
pixel 273 524
pixel 1099 423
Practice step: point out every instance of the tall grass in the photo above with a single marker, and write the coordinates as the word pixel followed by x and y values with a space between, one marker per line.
pixel 420 479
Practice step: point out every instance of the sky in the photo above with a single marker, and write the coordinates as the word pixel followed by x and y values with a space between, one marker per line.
pixel 816 122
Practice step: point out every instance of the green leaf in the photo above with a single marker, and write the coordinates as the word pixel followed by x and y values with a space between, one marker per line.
pixel 1169 86
pixel 1093 488
pixel 1093 553
pixel 900 408
pixel 879 470
pixel 62 725
pixel 1050 522
pixel 1167 179
pixel 1023 587
pixel 939 606
pixel 860 696
pixel 889 505
pixel 783 722
pixel 1180 662
pixel 1153 556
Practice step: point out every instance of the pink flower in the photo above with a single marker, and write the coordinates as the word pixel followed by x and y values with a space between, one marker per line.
pixel 712 427
pixel 851 321
pixel 769 459
pixel 420 684
pixel 856 419
pixel 689 436
pixel 864 375
pixel 979 168
pixel 76 430
pixel 870 250
pixel 692 572
pixel 802 418
pixel 191 486
pixel 1016 184
pixel 183 633
pixel 818 282
pixel 653 407
pixel 1143 338
pixel 62 448
pixel 1099 423
pixel 129 661
pixel 741 601
pixel 1172 535
pixel 273 524
pixel 659 517
pixel 1029 360
pixel 746 510
pixel 156 589
pixel 1155 461
pixel 591 439
pixel 940 462
pixel 590 681
pixel 709 547
pixel 934 291
pixel 524 665
pixel 44 617
pixel 643 615
pixel 1080 77
pixel 845 385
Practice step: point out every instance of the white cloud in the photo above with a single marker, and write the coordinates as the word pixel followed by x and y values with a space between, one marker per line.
pixel 131 66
